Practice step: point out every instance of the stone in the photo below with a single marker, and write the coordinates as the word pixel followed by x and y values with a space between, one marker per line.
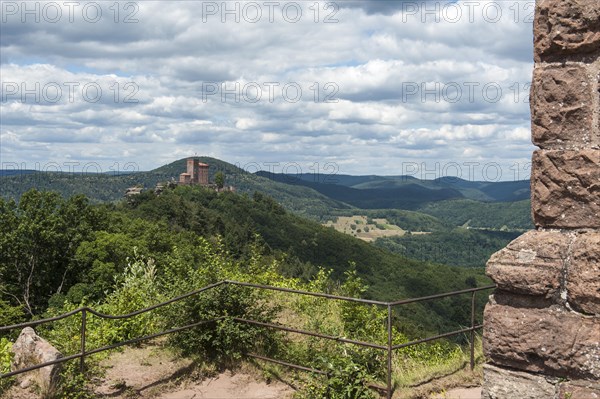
pixel 503 384
pixel 552 341
pixel 565 189
pixel 29 350
pixel 579 390
pixel 562 113
pixel 596 137
pixel 531 264
pixel 583 277
pixel 566 28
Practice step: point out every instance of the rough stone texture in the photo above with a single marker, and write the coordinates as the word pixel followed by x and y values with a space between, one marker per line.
pixel 505 384
pixel 525 301
pixel 562 114
pixel 542 325
pixel 531 264
pixel 596 136
pixel 30 350
pixel 583 277
pixel 566 27
pixel 565 189
pixel 551 341
pixel 579 390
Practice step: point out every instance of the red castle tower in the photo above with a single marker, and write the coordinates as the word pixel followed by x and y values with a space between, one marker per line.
pixel 197 173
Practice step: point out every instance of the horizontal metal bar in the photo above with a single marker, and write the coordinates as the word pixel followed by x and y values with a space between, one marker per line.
pixel 312 334
pixel 292 365
pixel 426 298
pixel 420 341
pixel 317 294
pixel 135 340
pixel 39 366
pixel 105 348
pixel 41 321
pixel 377 387
pixel 137 312
pixel 211 286
pixel 107 316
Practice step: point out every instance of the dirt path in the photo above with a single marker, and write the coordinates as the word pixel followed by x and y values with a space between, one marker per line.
pixel 463 393
pixel 151 372
pixel 231 386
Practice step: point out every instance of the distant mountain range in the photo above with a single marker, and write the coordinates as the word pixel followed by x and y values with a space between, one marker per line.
pixel 451 200
pixel 404 192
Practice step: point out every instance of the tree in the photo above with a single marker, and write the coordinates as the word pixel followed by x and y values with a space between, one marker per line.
pixel 219 179
pixel 39 238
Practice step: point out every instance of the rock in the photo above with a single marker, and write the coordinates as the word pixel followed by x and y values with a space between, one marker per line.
pixel 552 341
pixel 583 277
pixel 565 189
pixel 29 350
pixel 579 389
pixel 531 264
pixel 566 28
pixel 562 112
pixel 504 384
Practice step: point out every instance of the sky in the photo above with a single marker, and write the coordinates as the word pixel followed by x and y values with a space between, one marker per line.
pixel 421 88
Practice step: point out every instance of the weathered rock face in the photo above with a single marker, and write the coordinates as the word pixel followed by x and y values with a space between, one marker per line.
pixel 532 264
pixel 565 189
pixel 561 106
pixel 500 383
pixel 583 274
pixel 30 350
pixel 551 341
pixel 566 28
pixel 579 389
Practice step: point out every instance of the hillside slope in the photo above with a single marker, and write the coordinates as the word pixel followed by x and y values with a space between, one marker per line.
pixel 237 218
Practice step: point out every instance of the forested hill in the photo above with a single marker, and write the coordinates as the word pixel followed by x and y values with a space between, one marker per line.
pixel 452 201
pixel 107 187
pixel 404 192
pixel 83 247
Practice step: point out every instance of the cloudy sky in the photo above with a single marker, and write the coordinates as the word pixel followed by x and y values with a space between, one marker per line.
pixel 430 89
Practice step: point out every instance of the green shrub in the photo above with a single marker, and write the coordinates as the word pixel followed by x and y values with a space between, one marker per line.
pixel 345 380
pixel 6 357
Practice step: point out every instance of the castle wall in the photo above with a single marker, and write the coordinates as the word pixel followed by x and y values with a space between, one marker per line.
pixel 542 325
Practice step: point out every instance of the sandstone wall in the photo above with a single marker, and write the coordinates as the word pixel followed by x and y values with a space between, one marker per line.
pixel 542 325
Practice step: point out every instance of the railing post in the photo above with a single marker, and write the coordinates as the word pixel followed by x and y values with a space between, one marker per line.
pixel 389 352
pixel 83 331
pixel 472 330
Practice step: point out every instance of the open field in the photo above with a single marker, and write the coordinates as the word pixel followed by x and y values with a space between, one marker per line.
pixel 367 229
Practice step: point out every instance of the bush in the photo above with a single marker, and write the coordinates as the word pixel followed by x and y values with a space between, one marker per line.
pixel 6 357
pixel 225 340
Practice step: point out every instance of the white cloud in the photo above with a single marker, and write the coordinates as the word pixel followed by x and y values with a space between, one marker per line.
pixel 409 85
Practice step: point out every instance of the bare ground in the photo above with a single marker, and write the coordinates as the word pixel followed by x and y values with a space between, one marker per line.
pixel 154 373
pixel 462 393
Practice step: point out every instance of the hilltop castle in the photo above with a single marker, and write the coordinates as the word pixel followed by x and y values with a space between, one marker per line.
pixel 197 173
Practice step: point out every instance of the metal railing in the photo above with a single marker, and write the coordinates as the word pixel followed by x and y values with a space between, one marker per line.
pixel 389 348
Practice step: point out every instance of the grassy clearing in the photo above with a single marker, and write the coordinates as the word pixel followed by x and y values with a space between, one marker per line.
pixel 366 228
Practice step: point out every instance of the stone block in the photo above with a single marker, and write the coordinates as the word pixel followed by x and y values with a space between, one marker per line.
pixel 552 341
pixel 30 350
pixel 564 28
pixel 565 189
pixel 583 277
pixel 562 106
pixel 500 383
pixel 531 264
